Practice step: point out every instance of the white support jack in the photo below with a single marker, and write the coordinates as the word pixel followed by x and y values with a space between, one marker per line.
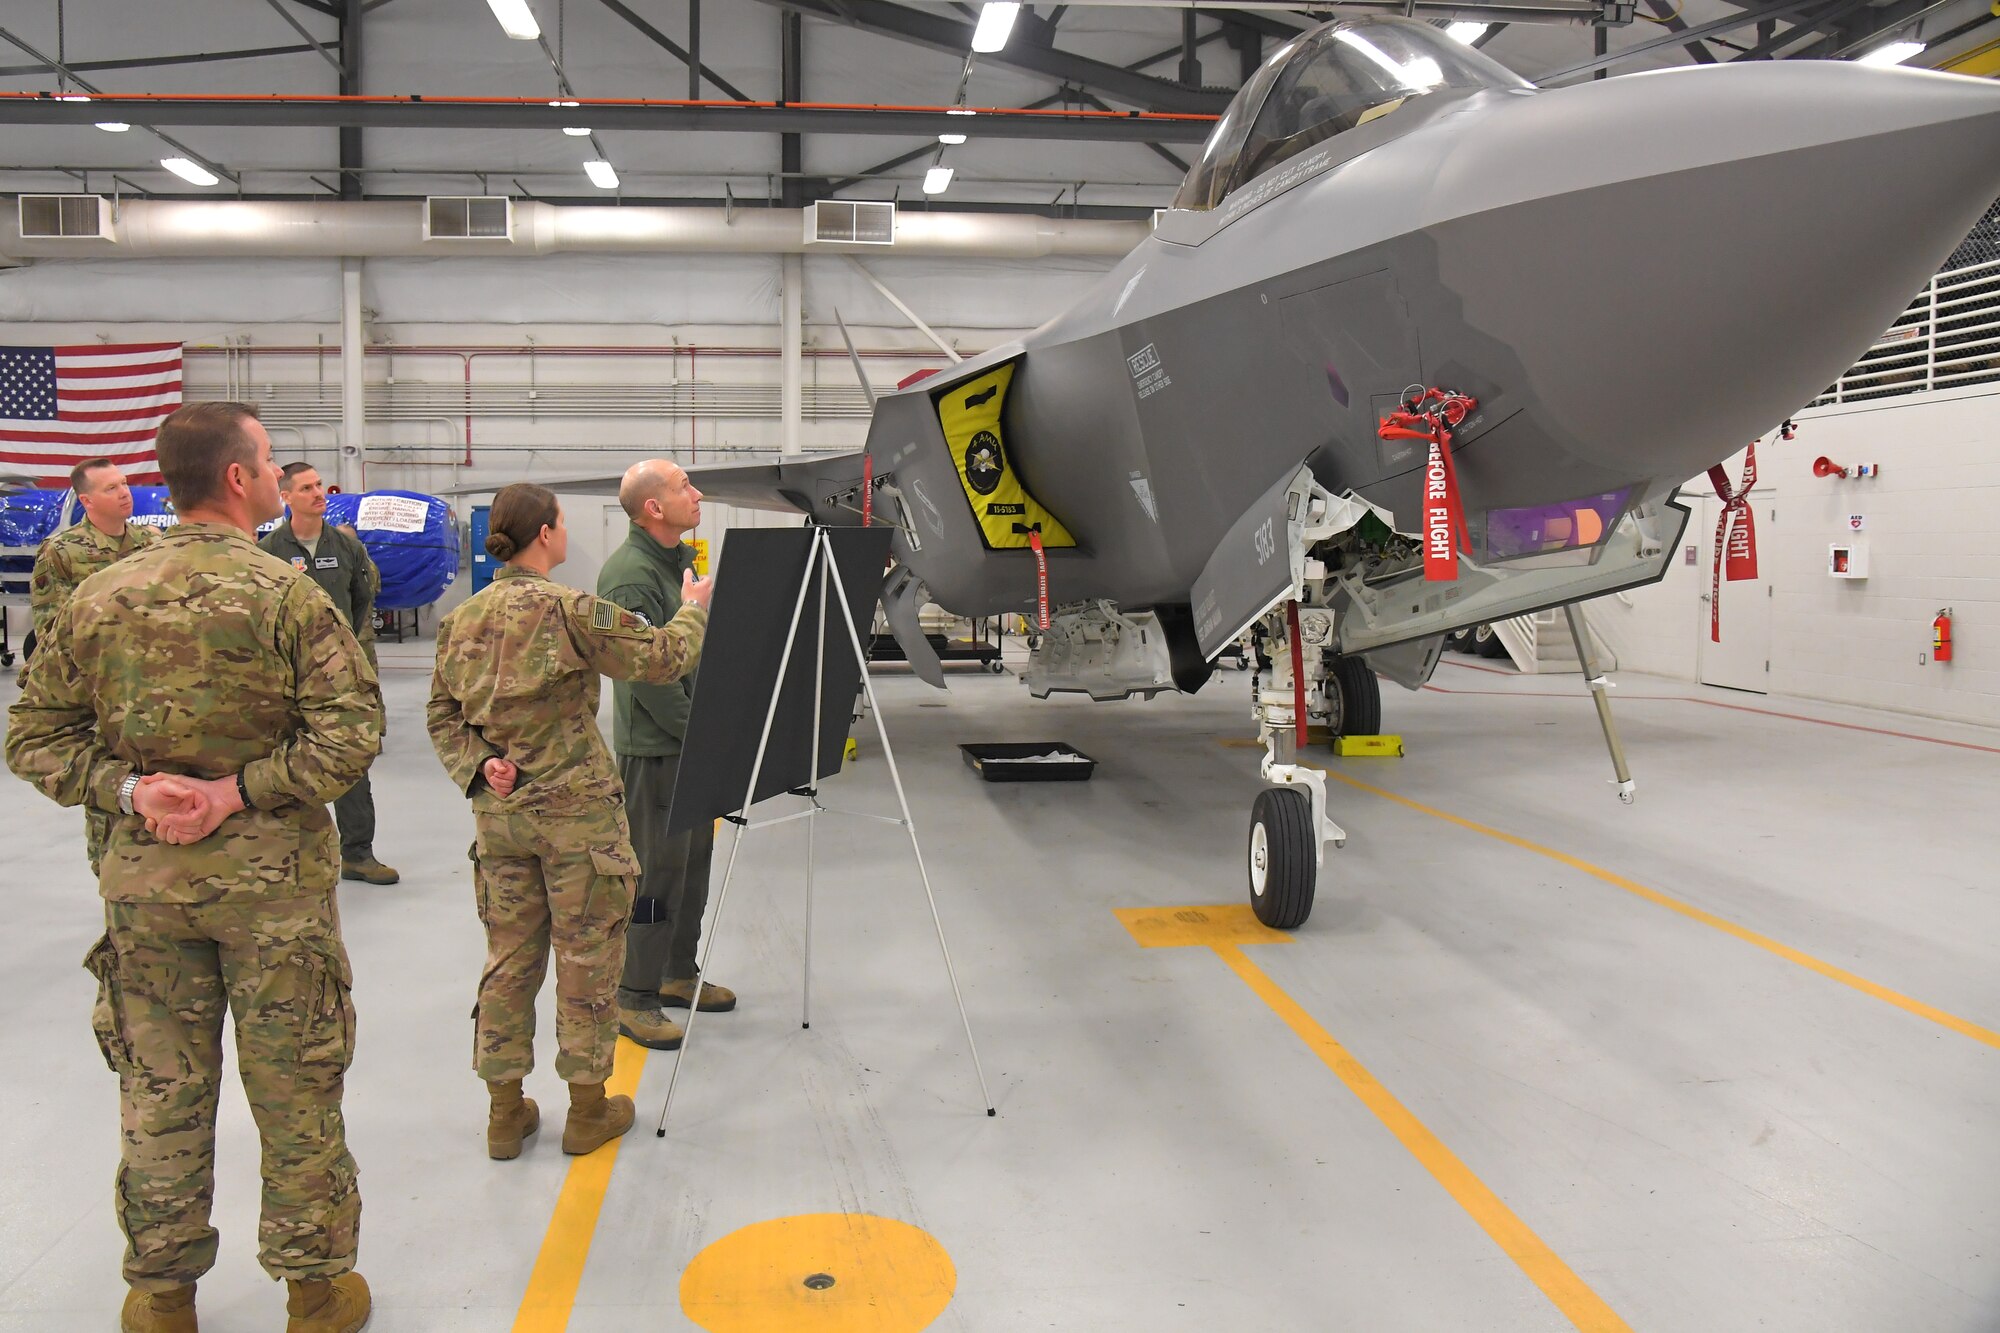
pixel 1599 686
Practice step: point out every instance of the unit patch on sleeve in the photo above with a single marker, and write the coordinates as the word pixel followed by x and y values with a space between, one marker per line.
pixel 611 618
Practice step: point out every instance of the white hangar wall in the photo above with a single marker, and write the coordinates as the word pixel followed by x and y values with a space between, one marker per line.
pixel 687 363
pixel 1931 525
pixel 724 310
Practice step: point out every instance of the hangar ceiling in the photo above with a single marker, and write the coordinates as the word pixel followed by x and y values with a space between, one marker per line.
pixel 1089 110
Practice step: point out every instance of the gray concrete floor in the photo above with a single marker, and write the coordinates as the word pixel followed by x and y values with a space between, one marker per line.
pixel 1711 1136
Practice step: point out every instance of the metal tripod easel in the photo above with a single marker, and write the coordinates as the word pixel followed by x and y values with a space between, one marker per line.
pixel 819 559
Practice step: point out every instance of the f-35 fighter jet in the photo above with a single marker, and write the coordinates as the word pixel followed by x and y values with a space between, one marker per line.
pixel 1617 284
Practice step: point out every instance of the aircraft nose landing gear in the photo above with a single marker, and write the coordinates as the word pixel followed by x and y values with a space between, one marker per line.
pixel 1284 857
pixel 1289 829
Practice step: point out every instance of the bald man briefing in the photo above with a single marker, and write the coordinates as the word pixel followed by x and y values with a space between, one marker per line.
pixel 648 723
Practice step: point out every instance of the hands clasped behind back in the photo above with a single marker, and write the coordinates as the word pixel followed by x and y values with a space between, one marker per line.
pixel 180 810
pixel 500 775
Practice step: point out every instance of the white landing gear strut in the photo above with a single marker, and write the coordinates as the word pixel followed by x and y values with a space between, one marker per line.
pixel 1289 828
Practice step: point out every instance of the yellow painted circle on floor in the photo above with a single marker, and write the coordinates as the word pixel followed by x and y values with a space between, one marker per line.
pixel 820 1273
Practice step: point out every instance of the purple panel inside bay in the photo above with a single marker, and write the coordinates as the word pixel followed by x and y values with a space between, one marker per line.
pixel 1565 525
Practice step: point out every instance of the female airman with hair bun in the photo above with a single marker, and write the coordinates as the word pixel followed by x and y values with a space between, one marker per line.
pixel 513 715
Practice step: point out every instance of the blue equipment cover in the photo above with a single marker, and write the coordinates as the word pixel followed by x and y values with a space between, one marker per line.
pixel 27 517
pixel 412 538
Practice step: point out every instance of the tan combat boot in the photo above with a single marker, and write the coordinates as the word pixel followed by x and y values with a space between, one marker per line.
pixel 714 999
pixel 512 1119
pixel 159 1311
pixel 369 871
pixel 594 1119
pixel 322 1305
pixel 650 1028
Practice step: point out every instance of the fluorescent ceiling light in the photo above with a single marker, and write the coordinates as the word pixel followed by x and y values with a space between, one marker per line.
pixel 561 103
pixel 73 97
pixel 1423 74
pixel 960 111
pixel 996 21
pixel 1467 32
pixel 951 138
pixel 113 126
pixel 601 175
pixel 194 173
pixel 1895 53
pixel 576 131
pixel 516 20
pixel 937 180
pixel 1420 75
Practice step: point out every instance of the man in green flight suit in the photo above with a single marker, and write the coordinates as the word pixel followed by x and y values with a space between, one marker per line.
pixel 105 536
pixel 336 560
pixel 207 697
pixel 648 723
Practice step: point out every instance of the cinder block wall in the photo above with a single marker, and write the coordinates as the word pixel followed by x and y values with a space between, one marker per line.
pixel 1932 525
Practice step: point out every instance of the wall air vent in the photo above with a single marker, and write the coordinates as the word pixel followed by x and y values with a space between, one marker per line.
pixel 476 217
pixel 68 216
pixel 845 222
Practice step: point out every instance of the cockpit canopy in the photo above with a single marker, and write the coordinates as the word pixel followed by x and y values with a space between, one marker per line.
pixel 1325 82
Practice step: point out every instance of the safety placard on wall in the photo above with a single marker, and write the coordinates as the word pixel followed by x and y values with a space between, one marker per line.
pixel 391 513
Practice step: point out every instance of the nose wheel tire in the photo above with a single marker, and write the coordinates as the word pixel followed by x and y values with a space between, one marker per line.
pixel 1283 858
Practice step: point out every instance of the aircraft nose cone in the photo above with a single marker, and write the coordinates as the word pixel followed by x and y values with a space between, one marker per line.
pixel 1725 240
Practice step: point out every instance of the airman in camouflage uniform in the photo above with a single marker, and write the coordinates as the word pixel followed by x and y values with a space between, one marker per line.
pixel 513 715
pixel 203 658
pixel 69 557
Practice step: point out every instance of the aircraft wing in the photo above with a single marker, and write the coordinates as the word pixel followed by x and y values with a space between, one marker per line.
pixel 791 487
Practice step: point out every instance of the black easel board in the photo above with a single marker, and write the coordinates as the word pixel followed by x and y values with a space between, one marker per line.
pixel 756 587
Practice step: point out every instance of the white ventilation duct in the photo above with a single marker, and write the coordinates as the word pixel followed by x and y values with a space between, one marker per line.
pixel 243 229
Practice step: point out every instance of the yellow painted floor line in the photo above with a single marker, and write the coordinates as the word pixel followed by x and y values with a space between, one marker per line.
pixel 545 1307
pixel 1578 1303
pixel 1964 1027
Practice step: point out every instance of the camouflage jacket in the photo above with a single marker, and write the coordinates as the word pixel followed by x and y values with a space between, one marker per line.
pixel 202 655
pixel 70 557
pixel 516 678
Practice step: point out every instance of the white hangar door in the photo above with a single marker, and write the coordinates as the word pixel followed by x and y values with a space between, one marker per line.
pixel 1742 661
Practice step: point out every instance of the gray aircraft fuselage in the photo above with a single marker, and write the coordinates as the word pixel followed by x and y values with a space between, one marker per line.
pixel 1634 277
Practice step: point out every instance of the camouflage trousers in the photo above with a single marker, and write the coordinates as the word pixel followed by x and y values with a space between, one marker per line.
pixel 542 880
pixel 165 974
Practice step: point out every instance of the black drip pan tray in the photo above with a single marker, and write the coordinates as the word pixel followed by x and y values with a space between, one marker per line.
pixel 1028 761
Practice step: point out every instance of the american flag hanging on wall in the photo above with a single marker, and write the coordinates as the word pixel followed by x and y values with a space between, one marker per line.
pixel 61 405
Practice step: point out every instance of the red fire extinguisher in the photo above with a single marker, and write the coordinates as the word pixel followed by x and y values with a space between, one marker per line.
pixel 1941 636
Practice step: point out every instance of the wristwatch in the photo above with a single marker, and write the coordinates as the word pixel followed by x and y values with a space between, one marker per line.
pixel 125 790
